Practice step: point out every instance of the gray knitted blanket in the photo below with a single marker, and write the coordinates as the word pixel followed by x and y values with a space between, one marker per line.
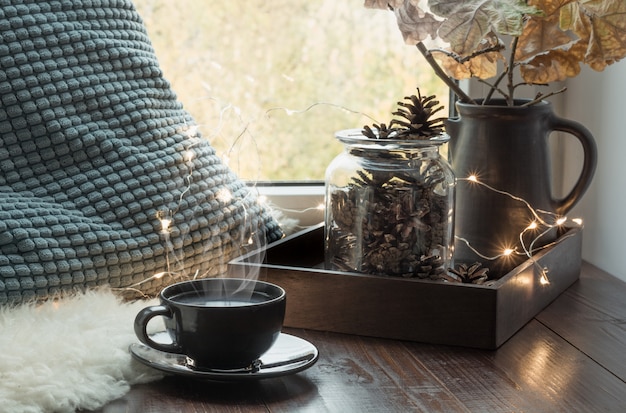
pixel 95 151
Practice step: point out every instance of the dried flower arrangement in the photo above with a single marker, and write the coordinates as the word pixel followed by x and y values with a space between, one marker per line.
pixel 549 39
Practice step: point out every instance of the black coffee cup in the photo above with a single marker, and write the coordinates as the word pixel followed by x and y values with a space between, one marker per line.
pixel 218 323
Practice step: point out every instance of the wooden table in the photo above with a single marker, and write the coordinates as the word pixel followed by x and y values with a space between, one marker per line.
pixel 570 358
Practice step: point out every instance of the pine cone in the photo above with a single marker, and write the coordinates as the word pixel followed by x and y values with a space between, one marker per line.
pixel 430 267
pixel 416 122
pixel 473 274
pixel 382 131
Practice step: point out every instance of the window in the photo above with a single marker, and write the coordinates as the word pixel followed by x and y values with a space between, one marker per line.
pixel 269 82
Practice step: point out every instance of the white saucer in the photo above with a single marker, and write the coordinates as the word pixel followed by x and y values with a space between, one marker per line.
pixel 288 355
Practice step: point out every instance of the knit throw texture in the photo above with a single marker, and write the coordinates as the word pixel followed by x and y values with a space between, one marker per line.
pixel 95 150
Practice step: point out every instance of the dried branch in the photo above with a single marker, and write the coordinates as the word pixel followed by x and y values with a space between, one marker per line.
pixel 509 98
pixel 541 97
pixel 497 48
pixel 492 88
pixel 463 97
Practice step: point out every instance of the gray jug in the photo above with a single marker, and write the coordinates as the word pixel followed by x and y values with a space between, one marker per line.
pixel 506 148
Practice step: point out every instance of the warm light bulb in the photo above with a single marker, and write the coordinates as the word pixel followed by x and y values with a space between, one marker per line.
pixel 472 178
pixel 561 221
pixel 165 225
pixel 321 207
pixel 577 221
pixel 262 199
pixel 533 225
pixel 189 155
pixel 192 131
pixel 224 195
pixel 158 275
pixel 507 252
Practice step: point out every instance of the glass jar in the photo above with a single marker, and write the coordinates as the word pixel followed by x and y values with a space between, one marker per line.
pixel 389 207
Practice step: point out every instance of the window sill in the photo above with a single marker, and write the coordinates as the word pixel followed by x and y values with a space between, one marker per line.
pixel 302 204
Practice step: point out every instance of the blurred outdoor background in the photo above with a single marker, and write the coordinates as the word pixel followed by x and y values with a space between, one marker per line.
pixel 269 82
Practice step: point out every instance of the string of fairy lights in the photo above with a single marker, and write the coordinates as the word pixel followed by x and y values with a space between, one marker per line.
pixel 544 221
pixel 551 221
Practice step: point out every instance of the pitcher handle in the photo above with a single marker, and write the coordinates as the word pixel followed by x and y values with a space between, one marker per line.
pixel 588 143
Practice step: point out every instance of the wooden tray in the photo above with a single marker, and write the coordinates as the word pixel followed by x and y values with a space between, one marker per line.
pixel 408 309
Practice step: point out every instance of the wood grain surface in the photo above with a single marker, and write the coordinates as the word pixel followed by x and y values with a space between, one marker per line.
pixel 570 358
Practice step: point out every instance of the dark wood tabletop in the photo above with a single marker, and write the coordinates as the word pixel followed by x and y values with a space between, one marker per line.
pixel 570 358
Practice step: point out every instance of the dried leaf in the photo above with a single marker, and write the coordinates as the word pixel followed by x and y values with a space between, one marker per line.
pixel 540 35
pixel 415 24
pixel 468 22
pixel 555 65
pixel 454 68
pixel 464 32
pixel 601 26
pixel 483 66
pixel 589 31
pixel 549 7
pixel 508 16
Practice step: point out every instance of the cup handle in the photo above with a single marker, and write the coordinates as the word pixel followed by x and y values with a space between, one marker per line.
pixel 588 143
pixel 141 324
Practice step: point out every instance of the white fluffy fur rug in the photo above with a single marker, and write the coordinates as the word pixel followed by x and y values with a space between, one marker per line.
pixel 68 354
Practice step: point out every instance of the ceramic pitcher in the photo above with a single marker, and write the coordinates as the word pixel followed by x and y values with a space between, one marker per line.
pixel 505 151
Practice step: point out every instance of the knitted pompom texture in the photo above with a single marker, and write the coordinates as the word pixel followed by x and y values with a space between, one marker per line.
pixel 94 150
